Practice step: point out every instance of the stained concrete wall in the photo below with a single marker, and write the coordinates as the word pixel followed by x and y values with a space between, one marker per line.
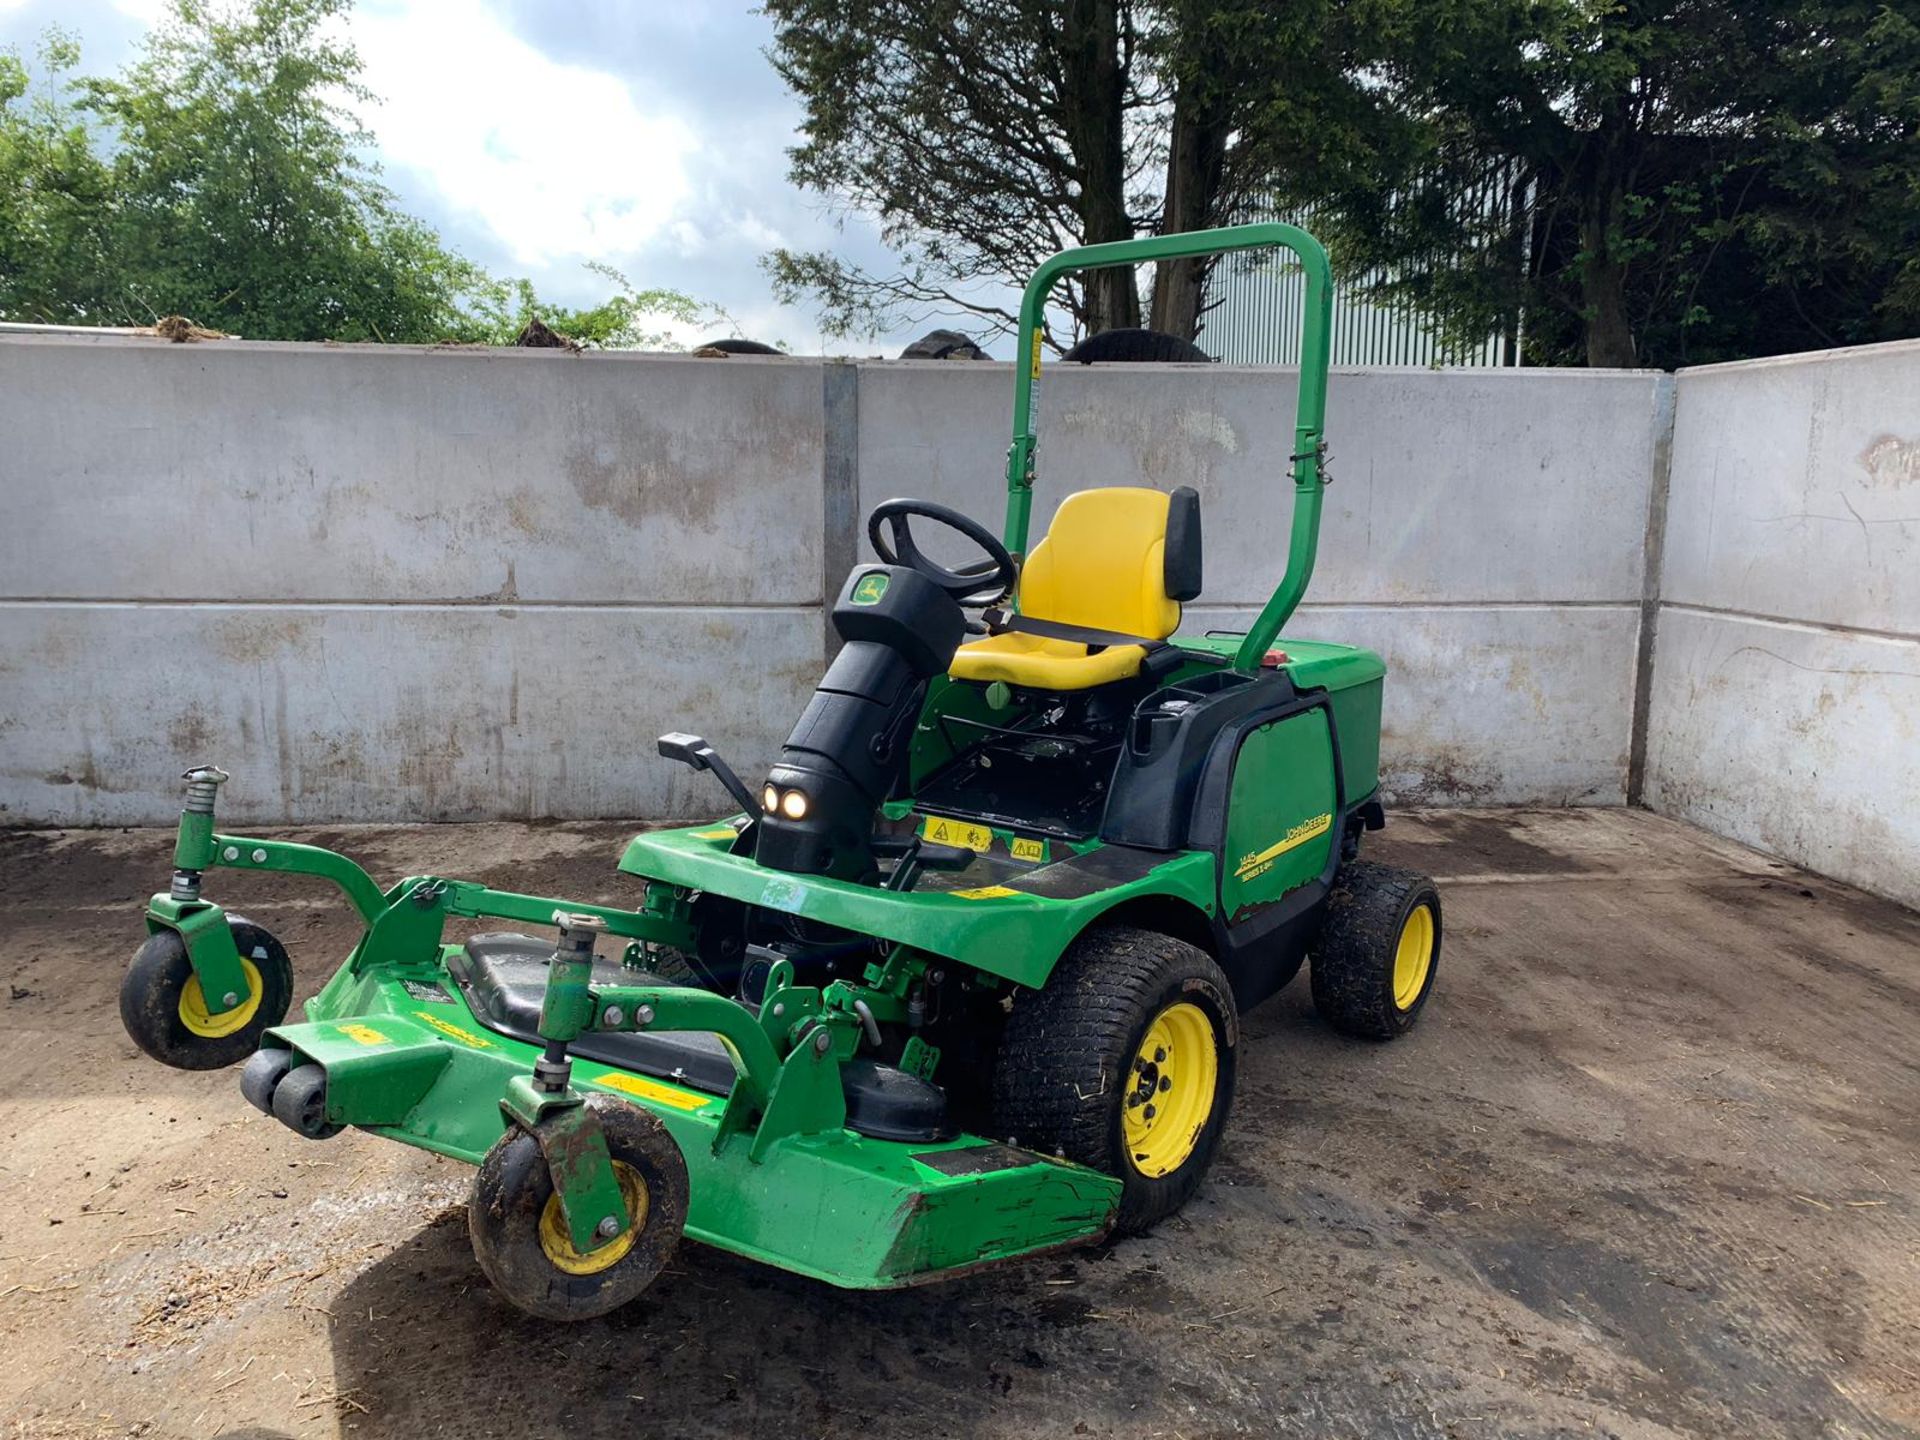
pixel 1785 704
pixel 381 583
pixel 386 584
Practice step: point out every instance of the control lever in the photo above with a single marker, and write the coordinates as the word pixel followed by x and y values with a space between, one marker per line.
pixel 692 751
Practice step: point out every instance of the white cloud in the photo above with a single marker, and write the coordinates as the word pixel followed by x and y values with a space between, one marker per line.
pixel 557 161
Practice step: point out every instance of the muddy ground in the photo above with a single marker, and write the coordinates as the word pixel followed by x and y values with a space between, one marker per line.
pixel 1647 1169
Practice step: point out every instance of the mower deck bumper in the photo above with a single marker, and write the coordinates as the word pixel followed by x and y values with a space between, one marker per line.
pixel 407 1059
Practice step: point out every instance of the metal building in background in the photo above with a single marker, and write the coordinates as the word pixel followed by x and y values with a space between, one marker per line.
pixel 1254 308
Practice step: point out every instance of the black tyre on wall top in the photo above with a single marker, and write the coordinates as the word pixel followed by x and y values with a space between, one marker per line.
pixel 1123 1062
pixel 1378 951
pixel 1137 346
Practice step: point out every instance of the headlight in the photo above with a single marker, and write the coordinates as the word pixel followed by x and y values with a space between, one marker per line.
pixel 770 799
pixel 793 805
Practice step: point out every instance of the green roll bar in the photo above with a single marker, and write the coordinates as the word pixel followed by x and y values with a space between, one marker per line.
pixel 1310 406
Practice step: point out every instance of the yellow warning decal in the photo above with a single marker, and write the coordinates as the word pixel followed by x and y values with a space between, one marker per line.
pixel 942 831
pixel 1258 864
pixel 365 1034
pixel 1028 849
pixel 985 892
pixel 652 1090
pixel 1035 372
pixel 724 832
pixel 465 1037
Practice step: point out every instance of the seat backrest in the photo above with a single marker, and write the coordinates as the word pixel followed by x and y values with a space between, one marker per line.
pixel 1120 558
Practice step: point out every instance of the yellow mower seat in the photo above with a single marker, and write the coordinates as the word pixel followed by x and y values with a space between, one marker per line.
pixel 1111 561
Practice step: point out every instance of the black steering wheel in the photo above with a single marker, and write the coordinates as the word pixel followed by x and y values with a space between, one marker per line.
pixel 985 582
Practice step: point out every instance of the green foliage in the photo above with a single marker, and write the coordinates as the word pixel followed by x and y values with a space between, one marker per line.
pixel 1621 181
pixel 53 188
pixel 223 177
pixel 1694 180
pixel 501 309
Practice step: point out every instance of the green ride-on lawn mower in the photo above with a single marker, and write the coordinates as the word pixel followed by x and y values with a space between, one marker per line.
pixel 959 982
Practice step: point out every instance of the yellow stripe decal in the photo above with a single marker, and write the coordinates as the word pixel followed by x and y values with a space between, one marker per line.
pixel 465 1037
pixel 365 1034
pixel 1299 835
pixel 652 1090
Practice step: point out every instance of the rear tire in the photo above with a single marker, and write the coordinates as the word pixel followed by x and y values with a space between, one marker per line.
pixel 1124 1062
pixel 1378 952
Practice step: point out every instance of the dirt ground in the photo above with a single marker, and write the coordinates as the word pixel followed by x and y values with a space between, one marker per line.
pixel 1647 1169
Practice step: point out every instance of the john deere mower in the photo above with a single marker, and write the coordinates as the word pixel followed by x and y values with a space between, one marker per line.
pixel 958 981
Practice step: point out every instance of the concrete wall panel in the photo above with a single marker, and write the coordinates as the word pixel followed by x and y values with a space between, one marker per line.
pixel 1491 705
pixel 1801 740
pixel 395 713
pixel 1796 488
pixel 1481 485
pixel 309 472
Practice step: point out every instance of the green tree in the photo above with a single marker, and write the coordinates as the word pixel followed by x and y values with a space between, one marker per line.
pixel 985 134
pixel 225 177
pixel 53 190
pixel 1693 180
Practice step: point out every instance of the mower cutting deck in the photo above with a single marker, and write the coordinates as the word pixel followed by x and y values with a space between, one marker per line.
pixel 961 980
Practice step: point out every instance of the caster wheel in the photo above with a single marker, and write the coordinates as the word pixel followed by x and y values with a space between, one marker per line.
pixel 1378 951
pixel 166 1015
pixel 261 1074
pixel 520 1235
pixel 300 1102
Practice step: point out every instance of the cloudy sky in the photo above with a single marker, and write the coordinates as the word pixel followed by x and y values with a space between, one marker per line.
pixel 537 135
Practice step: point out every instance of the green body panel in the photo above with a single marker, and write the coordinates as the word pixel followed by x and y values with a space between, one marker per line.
pixel 1017 936
pixel 1280 814
pixel 1352 678
pixel 843 1208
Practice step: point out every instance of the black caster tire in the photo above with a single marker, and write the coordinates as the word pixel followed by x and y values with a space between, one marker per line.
pixel 1124 1062
pixel 262 1074
pixel 166 1016
pixel 300 1103
pixel 519 1233
pixel 1378 952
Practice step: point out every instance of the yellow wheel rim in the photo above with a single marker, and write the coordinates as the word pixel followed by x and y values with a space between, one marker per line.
pixel 556 1245
pixel 1170 1090
pixel 193 1006
pixel 1413 957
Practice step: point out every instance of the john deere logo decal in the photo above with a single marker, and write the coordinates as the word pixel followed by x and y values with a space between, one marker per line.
pixel 1259 863
pixel 872 586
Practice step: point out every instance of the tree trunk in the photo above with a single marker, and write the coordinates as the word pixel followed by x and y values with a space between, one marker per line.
pixel 1094 89
pixel 1603 294
pixel 1196 160
pixel 1603 274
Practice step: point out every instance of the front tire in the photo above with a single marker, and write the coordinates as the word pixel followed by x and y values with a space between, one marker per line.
pixel 519 1233
pixel 1378 952
pixel 165 1014
pixel 1124 1062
